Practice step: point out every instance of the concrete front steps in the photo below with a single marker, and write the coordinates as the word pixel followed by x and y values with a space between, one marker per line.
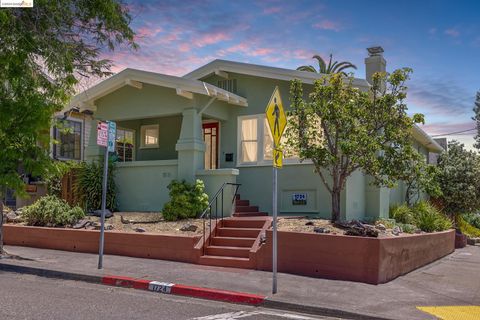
pixel 244 209
pixel 233 239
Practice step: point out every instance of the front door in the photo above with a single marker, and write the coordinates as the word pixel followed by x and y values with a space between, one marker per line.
pixel 210 136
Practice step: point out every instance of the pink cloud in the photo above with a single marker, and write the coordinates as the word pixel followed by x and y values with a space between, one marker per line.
pixel 184 47
pixel 148 32
pixel 452 32
pixel 211 38
pixel 327 25
pixel 272 10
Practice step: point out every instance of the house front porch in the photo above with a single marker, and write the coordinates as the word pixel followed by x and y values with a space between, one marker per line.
pixel 167 129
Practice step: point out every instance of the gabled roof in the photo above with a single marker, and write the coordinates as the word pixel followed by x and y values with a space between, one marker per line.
pixel 134 77
pixel 221 67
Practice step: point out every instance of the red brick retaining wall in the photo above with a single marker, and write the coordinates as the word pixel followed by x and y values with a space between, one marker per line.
pixel 369 260
pixel 139 245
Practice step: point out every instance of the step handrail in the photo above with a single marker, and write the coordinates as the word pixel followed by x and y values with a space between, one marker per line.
pixel 207 213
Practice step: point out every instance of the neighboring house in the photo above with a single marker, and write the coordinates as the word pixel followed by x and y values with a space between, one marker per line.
pixel 210 125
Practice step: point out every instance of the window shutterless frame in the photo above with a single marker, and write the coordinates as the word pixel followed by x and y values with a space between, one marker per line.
pixel 56 136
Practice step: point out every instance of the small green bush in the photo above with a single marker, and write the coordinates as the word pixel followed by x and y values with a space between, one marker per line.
pixel 89 186
pixel 430 219
pixel 402 213
pixel 186 200
pixel 388 223
pixel 407 228
pixel 50 211
pixel 467 228
pixel 472 219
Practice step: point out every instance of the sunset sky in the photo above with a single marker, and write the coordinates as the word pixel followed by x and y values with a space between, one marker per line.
pixel 440 40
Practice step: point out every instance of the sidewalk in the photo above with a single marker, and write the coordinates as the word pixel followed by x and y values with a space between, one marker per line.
pixel 453 280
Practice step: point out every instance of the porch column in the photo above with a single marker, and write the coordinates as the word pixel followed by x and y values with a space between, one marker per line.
pixel 190 146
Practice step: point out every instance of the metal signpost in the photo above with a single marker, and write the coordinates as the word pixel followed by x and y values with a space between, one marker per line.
pixel 277 122
pixel 106 132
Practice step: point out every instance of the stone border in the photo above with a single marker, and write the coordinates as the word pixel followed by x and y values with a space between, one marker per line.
pixel 339 257
pixel 368 260
pixel 138 245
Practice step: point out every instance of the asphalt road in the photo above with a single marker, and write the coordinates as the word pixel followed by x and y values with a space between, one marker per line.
pixel 31 297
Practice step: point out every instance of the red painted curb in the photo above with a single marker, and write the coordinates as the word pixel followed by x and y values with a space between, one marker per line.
pixel 127 282
pixel 184 290
pixel 215 294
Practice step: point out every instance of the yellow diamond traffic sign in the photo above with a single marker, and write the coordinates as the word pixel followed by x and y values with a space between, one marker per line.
pixel 276 116
pixel 277 158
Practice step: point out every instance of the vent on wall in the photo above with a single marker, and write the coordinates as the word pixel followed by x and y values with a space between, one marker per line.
pixel 230 85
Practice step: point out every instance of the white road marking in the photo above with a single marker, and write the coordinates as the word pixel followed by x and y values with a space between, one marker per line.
pixel 245 314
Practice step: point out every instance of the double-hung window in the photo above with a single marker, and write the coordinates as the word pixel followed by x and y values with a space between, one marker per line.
pixel 149 136
pixel 255 145
pixel 68 135
pixel 125 145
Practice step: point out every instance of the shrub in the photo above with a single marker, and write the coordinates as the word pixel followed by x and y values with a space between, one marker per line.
pixel 407 228
pixel 430 219
pixel 186 200
pixel 51 211
pixel 402 213
pixel 467 228
pixel 89 185
pixel 388 223
pixel 472 219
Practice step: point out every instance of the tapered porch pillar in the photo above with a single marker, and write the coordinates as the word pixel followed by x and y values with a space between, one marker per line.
pixel 190 146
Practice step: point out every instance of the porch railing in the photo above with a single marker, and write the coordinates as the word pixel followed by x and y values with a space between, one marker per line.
pixel 211 212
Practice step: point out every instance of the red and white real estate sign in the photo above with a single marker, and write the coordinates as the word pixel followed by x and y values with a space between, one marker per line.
pixel 102 134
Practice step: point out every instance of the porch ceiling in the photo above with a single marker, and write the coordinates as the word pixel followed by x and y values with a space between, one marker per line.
pixel 133 77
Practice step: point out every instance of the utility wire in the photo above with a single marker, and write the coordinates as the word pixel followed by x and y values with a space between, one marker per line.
pixel 452 133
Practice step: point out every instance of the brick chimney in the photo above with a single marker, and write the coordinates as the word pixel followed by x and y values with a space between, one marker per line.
pixel 374 62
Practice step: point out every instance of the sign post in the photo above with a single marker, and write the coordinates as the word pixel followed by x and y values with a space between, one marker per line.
pixel 277 122
pixel 106 132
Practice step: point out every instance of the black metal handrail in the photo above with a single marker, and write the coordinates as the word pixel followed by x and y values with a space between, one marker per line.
pixel 207 213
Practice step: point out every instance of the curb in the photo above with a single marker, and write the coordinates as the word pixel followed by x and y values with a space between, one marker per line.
pixel 184 290
pixel 188 291
pixel 143 284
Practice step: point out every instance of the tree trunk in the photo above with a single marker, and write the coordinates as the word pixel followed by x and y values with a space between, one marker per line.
pixel 1 227
pixel 335 205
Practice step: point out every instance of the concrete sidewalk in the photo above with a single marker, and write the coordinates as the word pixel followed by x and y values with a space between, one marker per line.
pixel 453 280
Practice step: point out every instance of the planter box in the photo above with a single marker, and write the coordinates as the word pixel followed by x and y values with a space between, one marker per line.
pixel 369 260
pixel 138 245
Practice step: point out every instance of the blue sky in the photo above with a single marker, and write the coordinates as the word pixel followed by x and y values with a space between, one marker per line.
pixel 440 40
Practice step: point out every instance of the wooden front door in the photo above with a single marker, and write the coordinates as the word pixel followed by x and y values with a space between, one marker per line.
pixel 210 136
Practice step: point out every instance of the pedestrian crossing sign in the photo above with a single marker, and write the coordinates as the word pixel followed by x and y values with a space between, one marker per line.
pixel 277 121
pixel 277 158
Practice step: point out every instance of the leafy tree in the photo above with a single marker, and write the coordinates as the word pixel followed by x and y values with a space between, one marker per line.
pixel 323 68
pixel 417 175
pixel 343 129
pixel 476 109
pixel 44 52
pixel 459 178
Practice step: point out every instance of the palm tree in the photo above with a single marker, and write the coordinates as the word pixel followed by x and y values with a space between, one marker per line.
pixel 335 67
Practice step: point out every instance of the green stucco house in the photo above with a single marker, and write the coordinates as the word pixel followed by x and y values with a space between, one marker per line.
pixel 210 125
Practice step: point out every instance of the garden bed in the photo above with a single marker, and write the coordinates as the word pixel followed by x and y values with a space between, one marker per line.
pixel 309 225
pixel 141 222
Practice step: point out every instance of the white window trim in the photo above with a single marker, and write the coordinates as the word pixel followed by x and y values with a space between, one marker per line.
pixel 142 136
pixel 261 162
pixel 55 135
pixel 134 142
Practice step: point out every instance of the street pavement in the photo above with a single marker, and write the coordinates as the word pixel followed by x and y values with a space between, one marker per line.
pixel 30 297
pixel 451 281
